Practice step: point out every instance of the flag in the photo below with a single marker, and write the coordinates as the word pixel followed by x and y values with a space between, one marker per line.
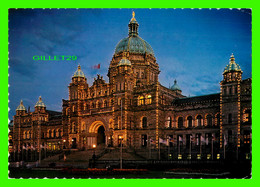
pixel 96 66
pixel 162 141
pixel 202 139
pixel 180 139
pixel 152 141
pixel 171 139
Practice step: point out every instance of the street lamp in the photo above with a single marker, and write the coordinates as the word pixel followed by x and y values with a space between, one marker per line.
pixel 94 156
pixel 121 151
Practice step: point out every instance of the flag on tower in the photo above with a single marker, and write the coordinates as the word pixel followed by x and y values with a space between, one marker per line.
pixel 96 66
pixel 162 141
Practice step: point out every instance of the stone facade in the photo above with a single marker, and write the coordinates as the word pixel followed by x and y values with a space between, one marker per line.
pixel 134 109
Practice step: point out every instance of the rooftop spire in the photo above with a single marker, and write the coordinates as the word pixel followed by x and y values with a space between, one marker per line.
pixel 133 26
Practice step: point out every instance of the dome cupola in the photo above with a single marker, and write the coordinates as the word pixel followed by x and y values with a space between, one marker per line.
pixel 21 106
pixel 79 73
pixel 232 66
pixel 133 43
pixel 40 103
pixel 175 86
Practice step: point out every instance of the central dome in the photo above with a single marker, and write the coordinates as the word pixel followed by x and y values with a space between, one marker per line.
pixel 133 43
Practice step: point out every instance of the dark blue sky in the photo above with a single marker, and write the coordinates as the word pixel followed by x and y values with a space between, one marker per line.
pixel 192 46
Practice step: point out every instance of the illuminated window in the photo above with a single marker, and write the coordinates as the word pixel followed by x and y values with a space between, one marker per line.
pixel 169 122
pixel 141 100
pixel 149 99
pixel 49 133
pixel 247 115
pixel 57 133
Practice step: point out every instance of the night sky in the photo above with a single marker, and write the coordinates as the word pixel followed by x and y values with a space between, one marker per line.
pixel 190 45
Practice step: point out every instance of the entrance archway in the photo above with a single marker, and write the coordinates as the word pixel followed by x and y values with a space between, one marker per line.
pixel 101 138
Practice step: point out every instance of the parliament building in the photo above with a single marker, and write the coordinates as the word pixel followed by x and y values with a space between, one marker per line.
pixel 134 110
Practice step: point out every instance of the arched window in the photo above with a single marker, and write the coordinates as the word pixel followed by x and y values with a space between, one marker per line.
pixel 209 120
pixel 180 122
pixel 141 100
pixel 148 99
pixel 144 122
pixel 53 133
pixel 189 120
pixel 24 134
pixel 199 120
pixel 169 122
pixel 57 133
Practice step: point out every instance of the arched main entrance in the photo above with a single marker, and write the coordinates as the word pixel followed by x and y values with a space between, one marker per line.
pixel 101 138
pixel 97 134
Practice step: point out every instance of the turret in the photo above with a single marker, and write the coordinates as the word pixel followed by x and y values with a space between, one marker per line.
pixel 21 110
pixel 40 106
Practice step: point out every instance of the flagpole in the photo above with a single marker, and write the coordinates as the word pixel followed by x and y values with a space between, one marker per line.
pixel 149 148
pixel 179 147
pixel 212 147
pixel 224 147
pixel 190 146
pixel 159 150
pixel 200 145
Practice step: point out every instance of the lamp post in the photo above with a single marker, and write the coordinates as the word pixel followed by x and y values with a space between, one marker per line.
pixel 94 156
pixel 121 152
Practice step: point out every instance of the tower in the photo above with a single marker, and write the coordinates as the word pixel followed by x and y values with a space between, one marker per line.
pixel 230 99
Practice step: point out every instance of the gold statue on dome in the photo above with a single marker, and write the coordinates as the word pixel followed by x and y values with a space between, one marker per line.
pixel 133 18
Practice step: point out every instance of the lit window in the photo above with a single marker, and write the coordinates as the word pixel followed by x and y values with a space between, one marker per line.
pixel 141 100
pixel 149 100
